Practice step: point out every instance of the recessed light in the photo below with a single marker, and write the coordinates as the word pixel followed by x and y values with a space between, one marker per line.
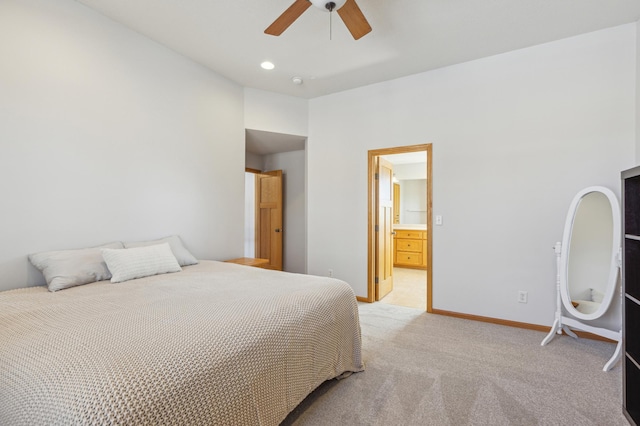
pixel 267 65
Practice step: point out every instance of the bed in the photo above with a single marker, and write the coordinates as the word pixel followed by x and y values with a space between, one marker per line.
pixel 216 343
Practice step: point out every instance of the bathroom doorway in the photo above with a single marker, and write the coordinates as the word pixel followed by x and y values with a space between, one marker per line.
pixel 400 223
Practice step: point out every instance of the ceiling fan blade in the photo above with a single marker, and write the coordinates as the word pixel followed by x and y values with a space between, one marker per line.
pixel 288 17
pixel 354 19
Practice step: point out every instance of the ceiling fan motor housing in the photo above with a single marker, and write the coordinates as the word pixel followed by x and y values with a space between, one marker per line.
pixel 328 5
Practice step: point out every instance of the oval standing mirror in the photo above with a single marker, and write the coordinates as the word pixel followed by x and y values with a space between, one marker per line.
pixel 588 267
pixel 588 264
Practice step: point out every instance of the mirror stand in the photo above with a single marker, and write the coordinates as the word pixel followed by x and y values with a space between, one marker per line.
pixel 564 323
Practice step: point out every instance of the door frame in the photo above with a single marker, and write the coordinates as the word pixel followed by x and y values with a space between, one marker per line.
pixel 372 208
pixel 255 173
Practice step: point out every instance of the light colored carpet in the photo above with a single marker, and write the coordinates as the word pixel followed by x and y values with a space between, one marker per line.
pixel 425 369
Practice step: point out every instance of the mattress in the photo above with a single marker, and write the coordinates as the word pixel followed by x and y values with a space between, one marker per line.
pixel 217 343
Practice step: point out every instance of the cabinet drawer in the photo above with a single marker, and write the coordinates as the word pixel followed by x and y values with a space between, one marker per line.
pixel 409 245
pixel 408 258
pixel 410 234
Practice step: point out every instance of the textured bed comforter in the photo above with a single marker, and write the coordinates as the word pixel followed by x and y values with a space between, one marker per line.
pixel 217 343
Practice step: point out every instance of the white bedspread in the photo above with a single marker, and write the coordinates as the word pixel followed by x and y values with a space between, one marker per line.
pixel 217 343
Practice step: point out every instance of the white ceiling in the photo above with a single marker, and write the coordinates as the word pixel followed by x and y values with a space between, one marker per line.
pixel 406 158
pixel 409 36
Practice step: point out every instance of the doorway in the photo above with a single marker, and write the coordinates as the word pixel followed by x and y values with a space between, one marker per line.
pixel 406 247
pixel 285 152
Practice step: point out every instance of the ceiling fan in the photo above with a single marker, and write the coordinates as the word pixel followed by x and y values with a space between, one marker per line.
pixel 347 9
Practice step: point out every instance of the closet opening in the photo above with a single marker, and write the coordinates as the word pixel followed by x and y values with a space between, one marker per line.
pixel 275 199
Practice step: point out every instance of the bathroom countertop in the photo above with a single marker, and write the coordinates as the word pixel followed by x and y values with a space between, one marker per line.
pixel 412 227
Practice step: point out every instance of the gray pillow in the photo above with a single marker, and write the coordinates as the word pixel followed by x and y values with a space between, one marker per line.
pixel 183 255
pixel 69 268
pixel 140 262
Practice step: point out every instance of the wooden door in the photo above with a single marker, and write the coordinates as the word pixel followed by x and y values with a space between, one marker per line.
pixel 384 227
pixel 396 203
pixel 269 218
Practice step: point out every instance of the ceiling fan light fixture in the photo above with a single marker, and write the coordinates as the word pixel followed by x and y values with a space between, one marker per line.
pixel 326 5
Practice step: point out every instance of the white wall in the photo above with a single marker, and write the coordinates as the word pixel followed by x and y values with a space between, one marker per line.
pixel 410 171
pixel 254 161
pixel 292 164
pixel 107 136
pixel 249 214
pixel 413 201
pixel 514 136
pixel 276 113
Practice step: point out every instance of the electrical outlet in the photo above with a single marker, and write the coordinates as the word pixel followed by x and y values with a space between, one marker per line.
pixel 522 297
pixel 331 272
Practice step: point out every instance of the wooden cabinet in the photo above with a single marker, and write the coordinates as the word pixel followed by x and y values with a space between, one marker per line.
pixel 631 290
pixel 410 249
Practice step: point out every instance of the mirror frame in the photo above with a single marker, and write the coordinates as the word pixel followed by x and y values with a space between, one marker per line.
pixel 614 268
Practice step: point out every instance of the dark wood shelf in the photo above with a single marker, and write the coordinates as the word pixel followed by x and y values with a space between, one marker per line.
pixel 631 290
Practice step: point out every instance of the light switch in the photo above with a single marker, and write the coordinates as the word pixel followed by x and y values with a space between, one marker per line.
pixel 439 220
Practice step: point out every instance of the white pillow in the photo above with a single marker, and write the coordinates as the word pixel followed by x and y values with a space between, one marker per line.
pixel 597 296
pixel 587 306
pixel 179 251
pixel 68 268
pixel 127 264
pixel 584 294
